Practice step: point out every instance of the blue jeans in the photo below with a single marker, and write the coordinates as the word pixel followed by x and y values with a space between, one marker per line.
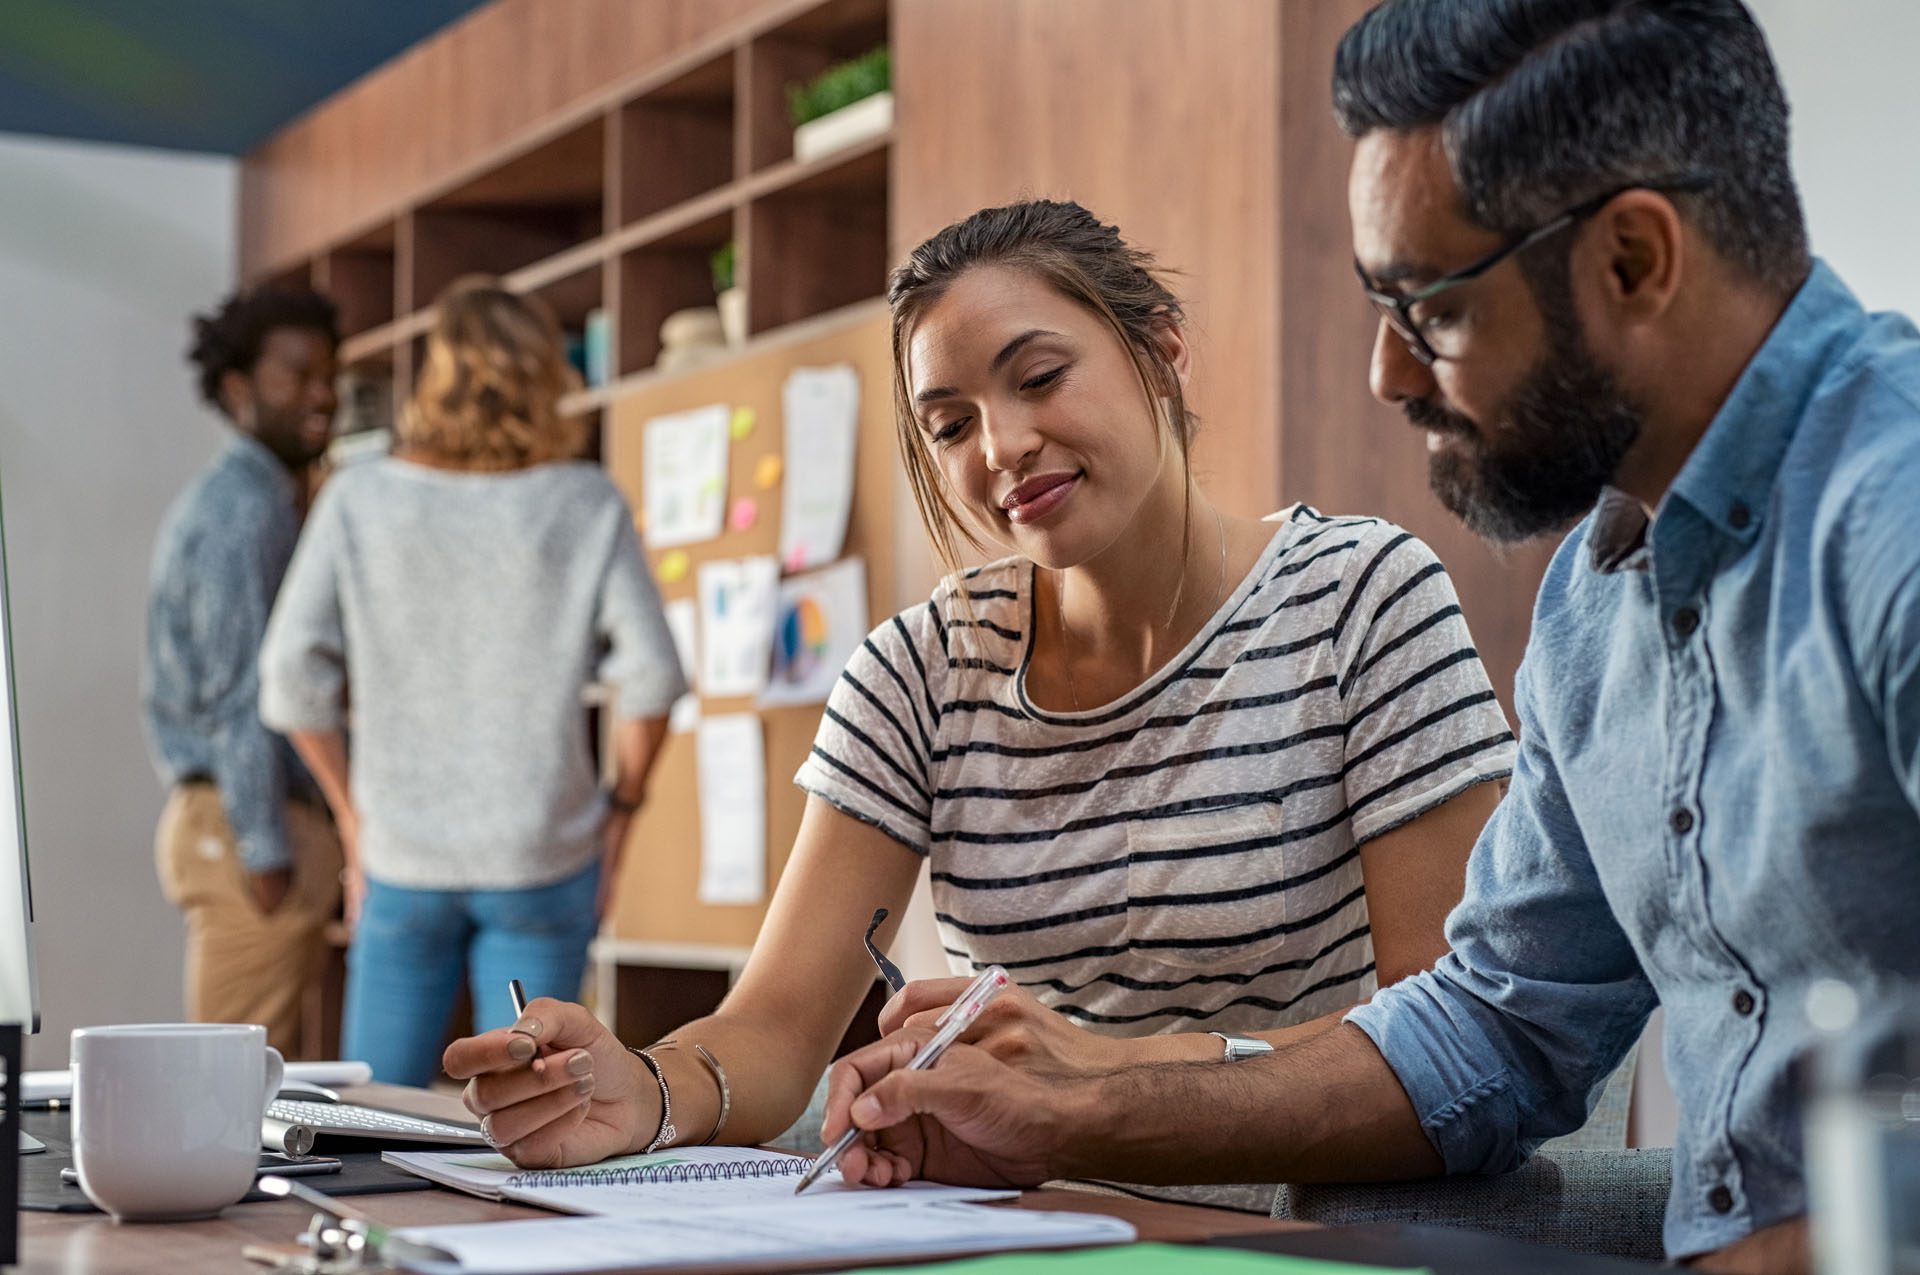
pixel 411 948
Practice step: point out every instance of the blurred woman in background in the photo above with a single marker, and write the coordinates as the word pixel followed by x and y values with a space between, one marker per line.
pixel 462 593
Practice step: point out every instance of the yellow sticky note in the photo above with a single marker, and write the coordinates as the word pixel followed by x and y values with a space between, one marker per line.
pixel 673 566
pixel 742 423
pixel 766 475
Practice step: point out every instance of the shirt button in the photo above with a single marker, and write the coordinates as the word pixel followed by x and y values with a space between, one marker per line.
pixel 1682 821
pixel 1738 518
pixel 1743 1002
pixel 1685 621
pixel 1720 1199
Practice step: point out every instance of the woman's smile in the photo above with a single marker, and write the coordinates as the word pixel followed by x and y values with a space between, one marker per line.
pixel 1037 497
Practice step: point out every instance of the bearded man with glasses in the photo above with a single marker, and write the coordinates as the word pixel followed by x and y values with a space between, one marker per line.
pixel 1580 227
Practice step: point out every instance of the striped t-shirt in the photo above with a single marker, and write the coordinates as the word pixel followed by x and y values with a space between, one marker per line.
pixel 1185 858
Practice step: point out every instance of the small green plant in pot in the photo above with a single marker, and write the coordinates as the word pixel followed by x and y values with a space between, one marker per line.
pixel 727 294
pixel 844 104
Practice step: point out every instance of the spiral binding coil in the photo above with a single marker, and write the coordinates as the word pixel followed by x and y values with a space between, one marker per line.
pixel 651 1173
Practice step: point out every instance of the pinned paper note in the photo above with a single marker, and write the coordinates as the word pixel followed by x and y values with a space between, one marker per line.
pixel 731 758
pixel 736 625
pixel 685 480
pixel 673 566
pixel 683 621
pixel 745 512
pixel 742 422
pixel 766 474
pixel 822 407
pixel 819 623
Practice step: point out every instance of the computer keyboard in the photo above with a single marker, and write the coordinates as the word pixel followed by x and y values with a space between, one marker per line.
pixel 345 1120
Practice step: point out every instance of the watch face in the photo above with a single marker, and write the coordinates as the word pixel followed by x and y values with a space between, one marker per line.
pixel 1239 1047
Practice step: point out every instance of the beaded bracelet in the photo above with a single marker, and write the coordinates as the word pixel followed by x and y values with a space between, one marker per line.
pixel 719 1079
pixel 667 1132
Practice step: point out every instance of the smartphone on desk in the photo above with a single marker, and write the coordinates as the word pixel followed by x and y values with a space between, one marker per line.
pixel 278 1163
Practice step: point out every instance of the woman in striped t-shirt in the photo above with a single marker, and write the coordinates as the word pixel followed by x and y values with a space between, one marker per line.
pixel 1180 772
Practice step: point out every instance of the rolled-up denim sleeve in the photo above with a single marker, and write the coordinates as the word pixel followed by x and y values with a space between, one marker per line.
pixel 1505 1042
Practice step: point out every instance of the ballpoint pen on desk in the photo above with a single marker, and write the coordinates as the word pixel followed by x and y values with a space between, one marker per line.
pixel 958 1017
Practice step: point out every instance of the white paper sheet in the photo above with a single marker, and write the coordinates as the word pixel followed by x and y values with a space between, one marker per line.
pixel 822 407
pixel 685 479
pixel 845 1227
pixel 819 622
pixel 683 621
pixel 731 756
pixel 736 625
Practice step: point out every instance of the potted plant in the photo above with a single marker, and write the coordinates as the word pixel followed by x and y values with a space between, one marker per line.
pixel 846 103
pixel 728 294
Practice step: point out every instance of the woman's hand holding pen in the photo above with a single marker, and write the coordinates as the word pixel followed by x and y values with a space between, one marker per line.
pixel 557 1088
pixel 1015 1028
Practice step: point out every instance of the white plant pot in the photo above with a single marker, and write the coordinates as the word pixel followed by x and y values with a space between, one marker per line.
pixel 733 315
pixel 855 122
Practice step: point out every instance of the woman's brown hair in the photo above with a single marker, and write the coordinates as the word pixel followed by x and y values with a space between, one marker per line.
pixel 1087 262
pixel 489 395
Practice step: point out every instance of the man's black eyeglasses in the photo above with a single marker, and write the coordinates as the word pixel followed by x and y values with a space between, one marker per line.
pixel 1397 309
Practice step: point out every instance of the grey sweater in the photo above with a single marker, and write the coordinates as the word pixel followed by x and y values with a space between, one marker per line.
pixel 467 611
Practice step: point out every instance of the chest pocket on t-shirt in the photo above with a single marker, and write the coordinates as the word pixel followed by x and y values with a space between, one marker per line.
pixel 1207 890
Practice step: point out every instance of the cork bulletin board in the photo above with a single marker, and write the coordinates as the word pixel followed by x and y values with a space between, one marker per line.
pixel 657 898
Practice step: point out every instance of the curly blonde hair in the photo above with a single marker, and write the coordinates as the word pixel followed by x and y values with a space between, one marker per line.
pixel 488 395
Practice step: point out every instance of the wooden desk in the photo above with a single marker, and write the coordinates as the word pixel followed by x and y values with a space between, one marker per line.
pixel 92 1244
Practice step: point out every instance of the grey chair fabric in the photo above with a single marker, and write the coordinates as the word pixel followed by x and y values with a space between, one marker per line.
pixel 1610 1202
pixel 1584 1191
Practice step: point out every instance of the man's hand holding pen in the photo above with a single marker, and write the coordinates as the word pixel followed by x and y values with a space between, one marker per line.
pixel 971 1121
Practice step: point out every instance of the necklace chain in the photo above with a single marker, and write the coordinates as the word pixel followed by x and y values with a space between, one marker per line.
pixel 1066 634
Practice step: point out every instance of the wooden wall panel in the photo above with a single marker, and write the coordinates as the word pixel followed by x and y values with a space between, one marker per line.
pixel 1344 452
pixel 447 104
pixel 1162 117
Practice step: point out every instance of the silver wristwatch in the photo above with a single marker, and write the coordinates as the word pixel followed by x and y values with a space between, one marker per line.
pixel 1240 1047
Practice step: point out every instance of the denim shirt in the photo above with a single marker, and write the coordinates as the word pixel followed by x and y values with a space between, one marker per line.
pixel 221 553
pixel 1716 797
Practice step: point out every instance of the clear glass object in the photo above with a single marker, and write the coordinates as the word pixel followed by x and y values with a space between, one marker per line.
pixel 1863 1130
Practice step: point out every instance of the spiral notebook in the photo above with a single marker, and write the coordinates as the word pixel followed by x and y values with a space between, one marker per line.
pixel 690 1176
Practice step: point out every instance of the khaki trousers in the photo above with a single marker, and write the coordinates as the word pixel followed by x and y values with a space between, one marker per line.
pixel 245 965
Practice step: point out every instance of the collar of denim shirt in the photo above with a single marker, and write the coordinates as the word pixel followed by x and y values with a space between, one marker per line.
pixel 1729 478
pixel 244 451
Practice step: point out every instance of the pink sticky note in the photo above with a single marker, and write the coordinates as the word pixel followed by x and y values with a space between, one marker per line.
pixel 744 514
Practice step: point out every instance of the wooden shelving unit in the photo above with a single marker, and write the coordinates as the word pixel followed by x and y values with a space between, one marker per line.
pixel 619 205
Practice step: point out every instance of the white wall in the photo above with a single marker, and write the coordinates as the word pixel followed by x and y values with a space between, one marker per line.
pixel 104 252
pixel 1846 66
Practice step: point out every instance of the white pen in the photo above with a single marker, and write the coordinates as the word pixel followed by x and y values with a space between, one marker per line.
pixel 959 1016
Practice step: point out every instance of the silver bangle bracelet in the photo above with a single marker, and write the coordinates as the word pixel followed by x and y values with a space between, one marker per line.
pixel 726 1094
pixel 667 1132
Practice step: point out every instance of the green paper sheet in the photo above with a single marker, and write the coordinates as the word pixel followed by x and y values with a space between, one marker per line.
pixel 1143 1259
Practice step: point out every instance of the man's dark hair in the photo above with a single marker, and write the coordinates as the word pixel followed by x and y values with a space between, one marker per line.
pixel 1543 104
pixel 230 339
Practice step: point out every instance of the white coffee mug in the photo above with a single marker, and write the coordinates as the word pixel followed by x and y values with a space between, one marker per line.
pixel 166 1116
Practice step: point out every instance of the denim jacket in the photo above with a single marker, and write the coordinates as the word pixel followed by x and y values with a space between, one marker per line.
pixel 217 565
pixel 1717 798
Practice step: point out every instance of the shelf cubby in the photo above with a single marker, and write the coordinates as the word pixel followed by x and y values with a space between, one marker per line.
pixel 817 240
pixel 794 52
pixel 667 274
pixel 359 276
pixel 677 141
pixel 542 203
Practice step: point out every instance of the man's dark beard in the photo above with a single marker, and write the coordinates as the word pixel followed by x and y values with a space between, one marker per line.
pixel 1561 439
